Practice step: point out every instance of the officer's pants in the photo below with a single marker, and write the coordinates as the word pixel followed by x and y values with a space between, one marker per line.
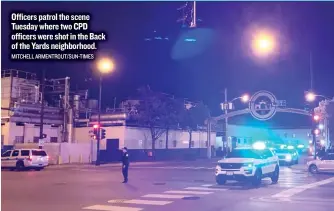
pixel 125 172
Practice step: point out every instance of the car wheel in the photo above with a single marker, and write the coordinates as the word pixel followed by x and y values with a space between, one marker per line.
pixel 297 161
pixel 220 180
pixel 257 178
pixel 38 169
pixel 19 166
pixel 313 169
pixel 274 178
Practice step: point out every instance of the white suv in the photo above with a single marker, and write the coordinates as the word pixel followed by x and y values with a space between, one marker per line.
pixel 323 164
pixel 24 159
pixel 248 164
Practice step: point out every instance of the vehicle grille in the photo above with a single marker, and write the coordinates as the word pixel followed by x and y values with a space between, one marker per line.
pixel 231 165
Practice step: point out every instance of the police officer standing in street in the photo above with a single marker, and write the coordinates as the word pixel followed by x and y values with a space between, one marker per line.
pixel 125 164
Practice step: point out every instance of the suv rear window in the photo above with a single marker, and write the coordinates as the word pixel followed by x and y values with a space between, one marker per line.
pixel 39 153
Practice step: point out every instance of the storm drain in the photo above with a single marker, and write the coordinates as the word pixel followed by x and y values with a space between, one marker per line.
pixel 159 183
pixel 191 198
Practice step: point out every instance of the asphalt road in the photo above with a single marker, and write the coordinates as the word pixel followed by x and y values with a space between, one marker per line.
pixel 160 187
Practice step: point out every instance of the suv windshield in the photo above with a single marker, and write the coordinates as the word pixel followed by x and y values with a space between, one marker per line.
pixel 244 153
pixel 38 153
pixel 283 151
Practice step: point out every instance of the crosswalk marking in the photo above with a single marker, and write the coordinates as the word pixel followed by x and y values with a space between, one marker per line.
pixel 205 188
pixel 145 202
pixel 165 196
pixel 112 208
pixel 188 192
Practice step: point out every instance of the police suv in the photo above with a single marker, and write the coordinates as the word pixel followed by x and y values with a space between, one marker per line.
pixel 248 164
pixel 21 159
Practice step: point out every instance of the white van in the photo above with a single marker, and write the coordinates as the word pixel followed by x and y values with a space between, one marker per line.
pixel 24 159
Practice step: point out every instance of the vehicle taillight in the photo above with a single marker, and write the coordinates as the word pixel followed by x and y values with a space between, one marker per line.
pixel 29 158
pixel 47 157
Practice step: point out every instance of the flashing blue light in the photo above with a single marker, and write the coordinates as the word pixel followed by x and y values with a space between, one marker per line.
pixel 259 145
pixel 291 147
pixel 190 40
pixel 300 146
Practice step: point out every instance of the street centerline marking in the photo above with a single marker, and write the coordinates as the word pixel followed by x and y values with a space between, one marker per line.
pixel 293 191
pixel 165 196
pixel 111 208
pixel 187 192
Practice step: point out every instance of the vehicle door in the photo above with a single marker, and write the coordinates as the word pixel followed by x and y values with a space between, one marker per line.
pixel 265 161
pixel 330 162
pixel 5 158
pixel 271 160
pixel 13 159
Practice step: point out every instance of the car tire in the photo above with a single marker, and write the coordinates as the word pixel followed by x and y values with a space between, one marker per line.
pixel 220 180
pixel 297 161
pixel 38 169
pixel 274 178
pixel 257 178
pixel 19 165
pixel 313 169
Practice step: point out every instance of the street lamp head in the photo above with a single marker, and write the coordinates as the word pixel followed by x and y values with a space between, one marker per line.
pixel 310 96
pixel 105 65
pixel 263 44
pixel 245 98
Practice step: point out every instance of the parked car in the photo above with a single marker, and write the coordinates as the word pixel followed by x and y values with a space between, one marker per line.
pixel 21 159
pixel 323 164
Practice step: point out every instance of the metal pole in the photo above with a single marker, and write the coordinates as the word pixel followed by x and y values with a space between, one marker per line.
pixel 314 136
pixel 209 138
pixel 226 119
pixel 98 123
pixel 311 70
pixel 42 110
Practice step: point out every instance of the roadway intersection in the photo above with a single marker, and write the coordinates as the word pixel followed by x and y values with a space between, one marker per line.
pixel 161 186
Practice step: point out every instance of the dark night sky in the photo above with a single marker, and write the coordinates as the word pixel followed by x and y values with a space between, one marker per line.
pixel 302 26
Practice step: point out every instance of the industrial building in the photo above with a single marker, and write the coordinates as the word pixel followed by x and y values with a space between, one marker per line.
pixel 68 117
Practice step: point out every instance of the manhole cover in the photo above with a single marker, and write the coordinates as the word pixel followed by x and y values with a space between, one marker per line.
pixel 191 198
pixel 159 183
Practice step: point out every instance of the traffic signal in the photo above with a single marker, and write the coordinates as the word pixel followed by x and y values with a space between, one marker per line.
pixel 103 133
pixel 316 117
pixel 316 131
pixel 96 130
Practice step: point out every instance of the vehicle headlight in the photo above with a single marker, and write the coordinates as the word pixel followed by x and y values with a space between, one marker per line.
pixel 288 157
pixel 248 165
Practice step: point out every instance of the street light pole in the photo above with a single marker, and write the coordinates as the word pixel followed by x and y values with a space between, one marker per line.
pixel 226 119
pixel 98 138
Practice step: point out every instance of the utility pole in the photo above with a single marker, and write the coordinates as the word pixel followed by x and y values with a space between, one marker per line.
pixel 41 135
pixel 98 138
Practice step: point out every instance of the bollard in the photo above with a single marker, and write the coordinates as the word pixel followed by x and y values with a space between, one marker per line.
pixel 59 160
pixel 80 158
pixel 89 159
pixel 69 159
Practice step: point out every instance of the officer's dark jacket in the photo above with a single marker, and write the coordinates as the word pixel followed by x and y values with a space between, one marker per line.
pixel 125 158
